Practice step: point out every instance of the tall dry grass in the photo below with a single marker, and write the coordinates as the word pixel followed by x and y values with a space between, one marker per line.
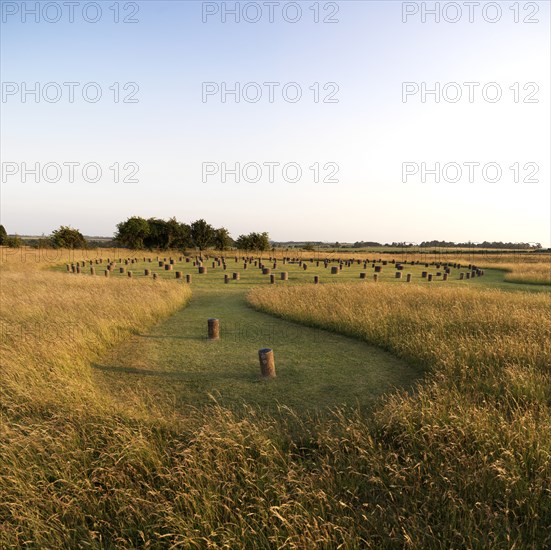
pixel 537 274
pixel 462 463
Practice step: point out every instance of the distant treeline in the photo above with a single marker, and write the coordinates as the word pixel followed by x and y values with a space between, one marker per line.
pixel 448 244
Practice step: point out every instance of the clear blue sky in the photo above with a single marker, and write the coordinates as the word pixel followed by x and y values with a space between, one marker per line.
pixel 370 133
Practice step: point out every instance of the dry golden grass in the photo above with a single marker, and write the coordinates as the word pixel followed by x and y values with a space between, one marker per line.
pixel 462 463
pixel 54 325
pixel 539 274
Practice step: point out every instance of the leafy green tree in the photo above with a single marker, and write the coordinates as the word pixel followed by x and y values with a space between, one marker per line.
pixel 159 234
pixel 222 239
pixel 202 234
pixel 3 235
pixel 243 242
pixel 254 241
pixel 180 235
pixel 67 237
pixel 133 232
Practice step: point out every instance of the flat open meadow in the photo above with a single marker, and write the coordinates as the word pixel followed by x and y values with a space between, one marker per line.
pixel 411 406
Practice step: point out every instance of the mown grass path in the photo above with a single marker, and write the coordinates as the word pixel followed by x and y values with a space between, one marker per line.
pixel 315 369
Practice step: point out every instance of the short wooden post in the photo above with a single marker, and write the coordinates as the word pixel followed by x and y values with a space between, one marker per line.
pixel 445 277
pixel 214 329
pixel 316 279
pixel 461 276
pixel 146 272
pixel 178 274
pixel 92 271
pixel 106 273
pixel 272 279
pixel 154 276
pixel 130 274
pixel 408 278
pixel 188 278
pixel 121 269
pixel 267 363
pixel 375 277
pixel 284 276
pixel 429 277
pixel 226 278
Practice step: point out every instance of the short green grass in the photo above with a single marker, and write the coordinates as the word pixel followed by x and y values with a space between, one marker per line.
pixel 315 369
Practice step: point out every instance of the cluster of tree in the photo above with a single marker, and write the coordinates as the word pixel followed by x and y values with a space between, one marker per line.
pixel 6 240
pixel 154 233
pixel 253 241
pixel 67 237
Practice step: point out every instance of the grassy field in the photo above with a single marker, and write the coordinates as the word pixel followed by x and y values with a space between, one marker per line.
pixel 121 426
pixel 470 450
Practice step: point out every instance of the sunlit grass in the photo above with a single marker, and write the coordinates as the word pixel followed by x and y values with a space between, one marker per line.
pixel 464 462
